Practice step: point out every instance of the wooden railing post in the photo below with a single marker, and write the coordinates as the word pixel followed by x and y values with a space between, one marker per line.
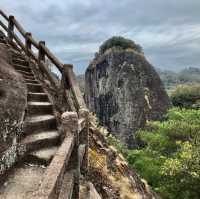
pixel 84 139
pixel 70 125
pixel 77 163
pixel 70 76
pixel 41 53
pixel 66 94
pixel 10 28
pixel 28 43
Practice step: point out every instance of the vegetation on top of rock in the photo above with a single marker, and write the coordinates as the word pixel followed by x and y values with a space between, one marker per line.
pixel 119 42
pixel 186 96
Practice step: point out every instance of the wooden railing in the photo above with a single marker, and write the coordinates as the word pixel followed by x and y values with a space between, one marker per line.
pixel 13 28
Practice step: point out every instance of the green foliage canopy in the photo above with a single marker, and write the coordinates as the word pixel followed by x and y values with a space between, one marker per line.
pixel 170 159
pixel 119 42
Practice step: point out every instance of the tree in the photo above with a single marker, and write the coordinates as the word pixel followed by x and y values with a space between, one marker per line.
pixel 186 96
pixel 170 160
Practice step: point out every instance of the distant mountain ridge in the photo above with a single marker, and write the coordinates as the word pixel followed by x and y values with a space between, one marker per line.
pixel 186 75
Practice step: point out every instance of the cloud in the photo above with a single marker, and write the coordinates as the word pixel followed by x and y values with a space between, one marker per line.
pixel 168 31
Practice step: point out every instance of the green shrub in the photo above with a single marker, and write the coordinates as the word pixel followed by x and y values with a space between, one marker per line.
pixel 186 96
pixel 170 159
pixel 121 43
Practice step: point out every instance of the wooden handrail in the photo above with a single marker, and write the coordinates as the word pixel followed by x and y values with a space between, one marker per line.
pixel 42 52
pixel 19 27
pixel 4 26
pixel 18 41
pixel 29 39
pixel 51 56
pixel 4 15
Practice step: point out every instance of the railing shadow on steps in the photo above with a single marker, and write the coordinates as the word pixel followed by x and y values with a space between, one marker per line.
pixel 79 141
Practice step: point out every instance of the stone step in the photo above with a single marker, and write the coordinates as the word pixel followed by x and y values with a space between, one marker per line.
pixel 20 61
pixel 39 123
pixel 18 56
pixel 35 88
pixel 42 156
pixel 42 97
pixel 41 140
pixel 3 41
pixel 22 68
pixel 67 186
pixel 28 74
pixel 22 182
pixel 39 108
pixel 32 81
pixel 26 77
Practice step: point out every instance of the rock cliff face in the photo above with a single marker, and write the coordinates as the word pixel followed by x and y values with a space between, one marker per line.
pixel 124 91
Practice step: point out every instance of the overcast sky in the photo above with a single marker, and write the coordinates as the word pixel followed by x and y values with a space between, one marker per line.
pixel 168 31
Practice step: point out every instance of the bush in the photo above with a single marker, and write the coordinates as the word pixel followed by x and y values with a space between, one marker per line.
pixel 121 43
pixel 170 159
pixel 186 96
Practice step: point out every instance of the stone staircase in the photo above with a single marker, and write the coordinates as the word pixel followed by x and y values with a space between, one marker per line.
pixel 52 164
pixel 41 136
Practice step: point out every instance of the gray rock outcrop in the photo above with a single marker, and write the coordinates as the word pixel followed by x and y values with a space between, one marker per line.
pixel 124 91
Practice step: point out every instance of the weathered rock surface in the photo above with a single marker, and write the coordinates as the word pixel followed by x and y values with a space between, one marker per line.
pixel 109 171
pixel 124 91
pixel 12 107
pixel 12 98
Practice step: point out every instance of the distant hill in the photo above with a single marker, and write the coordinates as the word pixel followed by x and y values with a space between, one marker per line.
pixel 187 75
pixel 190 75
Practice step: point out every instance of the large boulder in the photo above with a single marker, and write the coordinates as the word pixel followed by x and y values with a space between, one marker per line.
pixel 124 91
